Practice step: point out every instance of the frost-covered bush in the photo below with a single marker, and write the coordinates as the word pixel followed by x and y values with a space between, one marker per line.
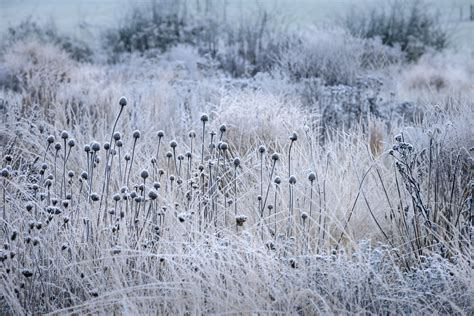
pixel 29 30
pixel 333 56
pixel 411 25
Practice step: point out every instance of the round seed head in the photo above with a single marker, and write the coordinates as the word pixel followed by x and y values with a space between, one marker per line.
pixel 127 157
pixel 95 197
pixel 261 149
pixel 95 146
pixel 5 173
pixel 119 143
pixel 84 175
pixel 87 148
pixel 169 154
pixel 144 174
pixel 58 146
pixel 123 101
pixel 236 162
pixel 204 118
pixel 398 138
pixel 153 160
pixel 222 128
pixel 304 215
pixel 224 146
pixel 172 178
pixel 50 139
pixel 292 180
pixel 312 176
pixel 173 144
pixel 277 180
pixel 160 134
pixel 192 134
pixel 294 137
pixel 117 136
pixel 180 157
pixel 64 135
pixel 152 195
pixel 70 174
pixel 71 143
pixel 106 145
pixel 156 185
pixel 275 157
pixel 188 154
pixel 136 134
pixel 116 197
pixel 44 166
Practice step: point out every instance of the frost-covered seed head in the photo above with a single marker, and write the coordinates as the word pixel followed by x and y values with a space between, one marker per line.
pixel 64 135
pixel 58 146
pixel 304 215
pixel 127 157
pixel 277 180
pixel 262 149
pixel 156 185
pixel 173 144
pixel 116 197
pixel 222 128
pixel 312 176
pixel 292 180
pixel 204 118
pixel 95 146
pixel 172 178
pixel 44 166
pixel 161 134
pixel 50 139
pixel 153 160
pixel 398 138
pixel 95 197
pixel 224 146
pixel 136 134
pixel 169 154
pixel 180 157
pixel 84 175
pixel 152 195
pixel 106 145
pixel 87 148
pixel 119 143
pixel 123 101
pixel 144 174
pixel 192 134
pixel 5 173
pixel 70 173
pixel 117 136
pixel 294 136
pixel 236 162
pixel 275 157
pixel 71 143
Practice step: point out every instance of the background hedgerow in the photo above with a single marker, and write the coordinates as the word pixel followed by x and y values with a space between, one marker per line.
pixel 246 170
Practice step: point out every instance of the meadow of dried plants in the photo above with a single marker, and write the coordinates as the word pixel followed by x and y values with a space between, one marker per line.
pixel 183 164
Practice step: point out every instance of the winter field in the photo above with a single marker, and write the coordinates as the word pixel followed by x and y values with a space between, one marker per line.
pixel 196 157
